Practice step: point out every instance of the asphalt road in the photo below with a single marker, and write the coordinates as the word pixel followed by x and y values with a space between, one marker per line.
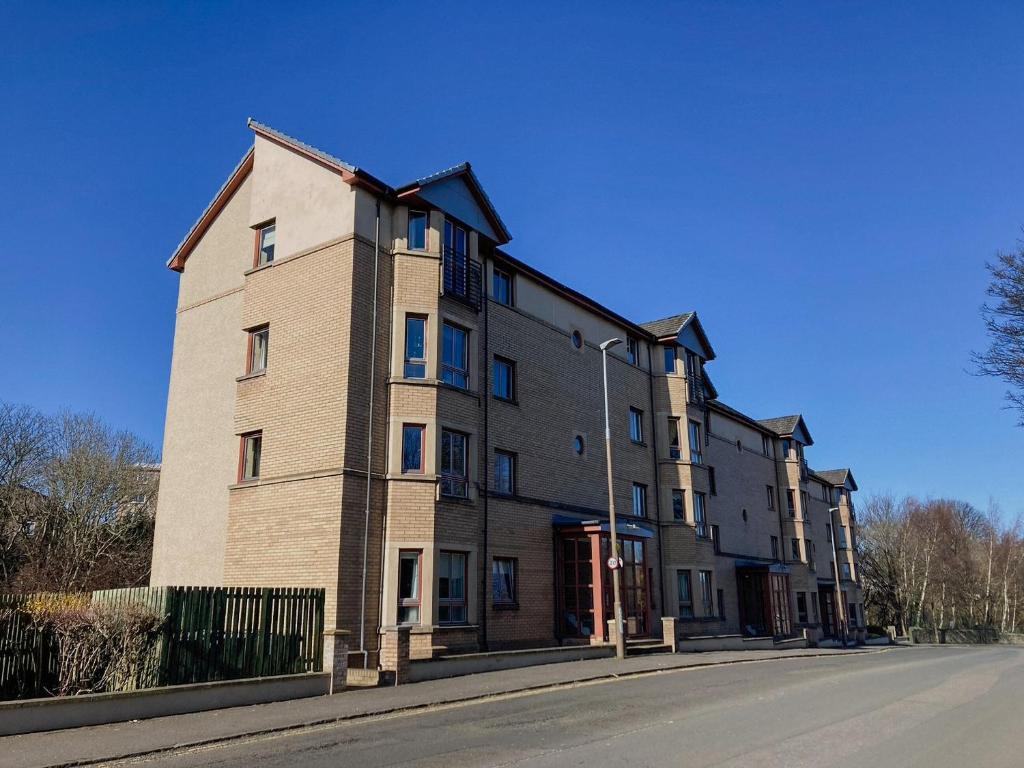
pixel 935 707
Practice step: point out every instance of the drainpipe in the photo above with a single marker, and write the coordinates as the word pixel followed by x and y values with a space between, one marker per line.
pixel 369 439
pixel 657 479
pixel 482 602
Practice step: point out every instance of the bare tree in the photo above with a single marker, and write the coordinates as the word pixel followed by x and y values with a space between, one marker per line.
pixel 1004 321
pixel 76 500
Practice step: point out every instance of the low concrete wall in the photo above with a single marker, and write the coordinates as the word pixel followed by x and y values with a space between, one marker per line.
pixel 472 663
pixel 30 715
pixel 737 643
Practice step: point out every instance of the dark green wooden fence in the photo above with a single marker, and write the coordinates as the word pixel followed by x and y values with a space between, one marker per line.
pixel 210 633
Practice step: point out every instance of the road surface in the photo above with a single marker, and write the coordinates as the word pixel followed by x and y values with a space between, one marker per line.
pixel 924 706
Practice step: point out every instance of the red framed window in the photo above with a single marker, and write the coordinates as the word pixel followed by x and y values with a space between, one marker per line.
pixel 259 348
pixel 266 238
pixel 249 455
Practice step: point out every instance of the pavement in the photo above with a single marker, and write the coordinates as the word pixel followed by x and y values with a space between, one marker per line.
pixel 160 738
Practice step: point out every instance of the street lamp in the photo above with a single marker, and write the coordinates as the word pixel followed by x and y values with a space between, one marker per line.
pixel 613 562
pixel 835 566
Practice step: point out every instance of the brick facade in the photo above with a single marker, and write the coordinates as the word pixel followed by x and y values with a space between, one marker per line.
pixel 302 521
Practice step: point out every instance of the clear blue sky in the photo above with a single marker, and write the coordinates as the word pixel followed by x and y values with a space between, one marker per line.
pixel 821 182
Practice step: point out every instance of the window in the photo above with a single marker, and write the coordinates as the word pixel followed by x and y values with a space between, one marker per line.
pixel 266 236
pixel 716 539
pixel 766 445
pixel 639 500
pixel 809 549
pixel 455 357
pixel 670 359
pixel 791 502
pixel 503 582
pixel 786 446
pixel 504 378
pixel 853 614
pixel 775 547
pixel 504 472
pixel 801 607
pixel 259 344
pixel 845 568
pixel 696 456
pixel 632 350
pixel 636 425
pixel 675 450
pixel 685 595
pixel 839 494
pixel 451 588
pixel 409 587
pixel 678 504
pixel 455 239
pixel 712 485
pixel 577 339
pixel 803 504
pixel 739 446
pixel 771 496
pixel 706 593
pixel 415 347
pixel 699 518
pixel 454 474
pixel 501 287
pixel 828 533
pixel 814 607
pixel 842 537
pixel 795 546
pixel 412 448
pixel 252 448
pixel 824 493
pixel 417 230
pixel 578 446
pixel 721 604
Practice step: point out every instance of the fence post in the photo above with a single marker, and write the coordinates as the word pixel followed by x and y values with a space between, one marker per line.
pixel 336 657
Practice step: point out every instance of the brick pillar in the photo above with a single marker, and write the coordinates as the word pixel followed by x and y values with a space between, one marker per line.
pixel 394 653
pixel 336 657
pixel 668 631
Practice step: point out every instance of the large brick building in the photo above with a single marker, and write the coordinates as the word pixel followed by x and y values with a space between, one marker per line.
pixel 331 327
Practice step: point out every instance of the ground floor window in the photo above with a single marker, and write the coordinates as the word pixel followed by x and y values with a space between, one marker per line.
pixel 503 582
pixel 451 588
pixel 801 607
pixel 706 593
pixel 409 587
pixel 685 595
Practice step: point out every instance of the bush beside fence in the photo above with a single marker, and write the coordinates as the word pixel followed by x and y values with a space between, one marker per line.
pixel 207 634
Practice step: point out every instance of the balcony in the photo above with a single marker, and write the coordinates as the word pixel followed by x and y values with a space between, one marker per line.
pixel 462 278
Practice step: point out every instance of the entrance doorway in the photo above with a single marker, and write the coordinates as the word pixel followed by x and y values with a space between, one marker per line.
pixel 763 593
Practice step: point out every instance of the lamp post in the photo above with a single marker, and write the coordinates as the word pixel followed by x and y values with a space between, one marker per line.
pixel 840 602
pixel 620 640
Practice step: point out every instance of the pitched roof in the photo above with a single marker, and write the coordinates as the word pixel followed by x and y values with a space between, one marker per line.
pixel 465 170
pixel 838 477
pixel 667 326
pixel 781 425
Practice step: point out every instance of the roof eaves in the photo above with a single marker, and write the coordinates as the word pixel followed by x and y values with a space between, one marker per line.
pixel 462 169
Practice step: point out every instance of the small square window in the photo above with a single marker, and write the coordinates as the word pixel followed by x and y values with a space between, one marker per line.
pixel 503 582
pixel 251 450
pixel 418 230
pixel 504 378
pixel 259 344
pixel 504 473
pixel 266 237
pixel 412 448
pixel 636 425
pixel 501 288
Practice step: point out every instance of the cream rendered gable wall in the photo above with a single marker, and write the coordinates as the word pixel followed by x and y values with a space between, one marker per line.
pixel 200 451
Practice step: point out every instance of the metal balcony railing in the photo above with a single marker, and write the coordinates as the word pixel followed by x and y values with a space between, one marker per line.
pixel 462 278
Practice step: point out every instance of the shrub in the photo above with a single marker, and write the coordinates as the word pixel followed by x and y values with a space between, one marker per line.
pixel 100 647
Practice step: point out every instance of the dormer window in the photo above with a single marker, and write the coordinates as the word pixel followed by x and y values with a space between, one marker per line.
pixel 417 230
pixel 266 237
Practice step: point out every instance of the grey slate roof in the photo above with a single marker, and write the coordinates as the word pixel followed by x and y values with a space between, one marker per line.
pixel 309 148
pixel 667 325
pixel 838 477
pixel 781 425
